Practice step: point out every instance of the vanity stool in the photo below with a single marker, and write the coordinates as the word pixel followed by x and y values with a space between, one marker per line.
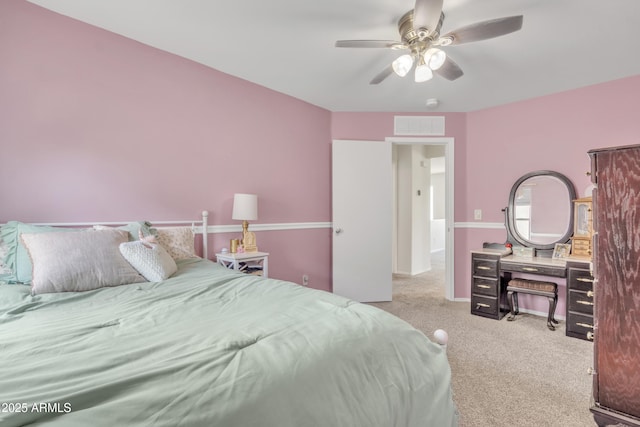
pixel 533 287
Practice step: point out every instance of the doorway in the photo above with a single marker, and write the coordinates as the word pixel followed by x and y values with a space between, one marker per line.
pixel 423 226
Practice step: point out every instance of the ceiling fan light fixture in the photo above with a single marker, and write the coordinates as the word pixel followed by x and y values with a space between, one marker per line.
pixel 402 65
pixel 435 58
pixel 423 73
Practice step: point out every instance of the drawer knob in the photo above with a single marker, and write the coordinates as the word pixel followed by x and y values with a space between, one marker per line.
pixel 590 336
pixel 482 267
pixel 591 371
pixel 584 302
pixel 590 294
pixel 584 279
pixel 482 305
pixel 529 269
pixel 484 286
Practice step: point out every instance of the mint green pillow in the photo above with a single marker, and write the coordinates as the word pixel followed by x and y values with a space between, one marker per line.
pixel 17 258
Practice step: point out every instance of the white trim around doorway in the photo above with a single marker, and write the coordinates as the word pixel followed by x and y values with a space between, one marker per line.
pixel 448 143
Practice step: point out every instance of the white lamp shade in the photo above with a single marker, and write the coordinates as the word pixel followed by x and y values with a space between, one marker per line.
pixel 423 73
pixel 245 207
pixel 402 65
pixel 435 58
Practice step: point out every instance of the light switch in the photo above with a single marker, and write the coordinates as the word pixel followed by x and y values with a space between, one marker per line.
pixel 477 214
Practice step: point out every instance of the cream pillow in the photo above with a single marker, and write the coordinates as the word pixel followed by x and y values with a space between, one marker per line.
pixel 150 259
pixel 178 241
pixel 78 260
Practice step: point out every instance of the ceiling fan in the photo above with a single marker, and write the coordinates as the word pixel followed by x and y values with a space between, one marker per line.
pixel 420 34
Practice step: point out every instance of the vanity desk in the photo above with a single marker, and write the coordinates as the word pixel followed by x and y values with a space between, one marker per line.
pixel 540 215
pixel 491 272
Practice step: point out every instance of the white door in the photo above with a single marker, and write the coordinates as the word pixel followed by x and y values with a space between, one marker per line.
pixel 362 219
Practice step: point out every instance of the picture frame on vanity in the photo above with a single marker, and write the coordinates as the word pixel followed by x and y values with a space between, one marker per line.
pixel 561 250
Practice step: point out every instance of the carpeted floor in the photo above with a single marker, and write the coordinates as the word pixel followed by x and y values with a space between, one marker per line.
pixel 503 373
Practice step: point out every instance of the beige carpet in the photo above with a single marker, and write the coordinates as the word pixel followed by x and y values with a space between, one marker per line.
pixel 503 373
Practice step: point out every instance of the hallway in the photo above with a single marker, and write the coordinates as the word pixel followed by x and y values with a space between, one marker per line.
pixel 430 282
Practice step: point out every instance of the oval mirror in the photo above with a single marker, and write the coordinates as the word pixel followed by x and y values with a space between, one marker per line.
pixel 540 212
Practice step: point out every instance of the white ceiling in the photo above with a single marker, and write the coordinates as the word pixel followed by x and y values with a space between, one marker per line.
pixel 288 46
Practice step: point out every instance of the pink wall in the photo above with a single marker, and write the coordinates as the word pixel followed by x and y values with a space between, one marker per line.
pixel 96 127
pixel 551 132
pixel 494 147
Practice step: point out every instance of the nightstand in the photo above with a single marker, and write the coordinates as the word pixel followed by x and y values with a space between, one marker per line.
pixel 256 263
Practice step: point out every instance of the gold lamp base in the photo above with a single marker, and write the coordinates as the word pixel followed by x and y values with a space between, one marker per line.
pixel 248 238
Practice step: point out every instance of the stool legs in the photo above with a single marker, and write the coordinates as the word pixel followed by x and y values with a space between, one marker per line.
pixel 553 302
pixel 512 297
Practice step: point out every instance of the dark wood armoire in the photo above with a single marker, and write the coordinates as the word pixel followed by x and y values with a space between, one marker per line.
pixel 615 173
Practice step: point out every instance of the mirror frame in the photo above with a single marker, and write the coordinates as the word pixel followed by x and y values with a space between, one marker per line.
pixel 514 237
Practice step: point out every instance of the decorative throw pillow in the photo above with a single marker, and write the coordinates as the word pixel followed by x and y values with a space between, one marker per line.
pixel 17 259
pixel 78 260
pixel 178 241
pixel 149 259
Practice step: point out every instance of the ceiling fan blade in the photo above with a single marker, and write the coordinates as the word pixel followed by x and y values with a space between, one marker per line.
pixel 370 44
pixel 485 30
pixel 449 70
pixel 382 75
pixel 426 14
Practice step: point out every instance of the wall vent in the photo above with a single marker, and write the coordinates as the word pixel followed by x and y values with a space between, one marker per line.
pixel 418 125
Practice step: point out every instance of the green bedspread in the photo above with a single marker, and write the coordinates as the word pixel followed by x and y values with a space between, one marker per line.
pixel 213 347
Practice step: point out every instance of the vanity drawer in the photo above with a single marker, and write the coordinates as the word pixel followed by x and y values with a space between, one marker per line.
pixel 581 302
pixel 484 306
pixel 580 326
pixel 580 279
pixel 534 269
pixel 485 267
pixel 484 286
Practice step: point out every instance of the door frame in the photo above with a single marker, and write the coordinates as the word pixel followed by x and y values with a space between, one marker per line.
pixel 448 143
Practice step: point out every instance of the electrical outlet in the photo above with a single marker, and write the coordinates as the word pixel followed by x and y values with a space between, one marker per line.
pixel 305 280
pixel 477 214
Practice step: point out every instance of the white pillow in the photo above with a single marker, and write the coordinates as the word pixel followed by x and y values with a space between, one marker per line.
pixel 78 260
pixel 150 259
pixel 178 241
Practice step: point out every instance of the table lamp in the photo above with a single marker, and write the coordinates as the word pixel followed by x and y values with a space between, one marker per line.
pixel 245 209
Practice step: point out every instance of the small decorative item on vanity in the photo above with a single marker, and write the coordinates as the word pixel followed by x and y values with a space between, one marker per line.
pixel 561 250
pixel 582 228
pixel 521 251
pixel 245 208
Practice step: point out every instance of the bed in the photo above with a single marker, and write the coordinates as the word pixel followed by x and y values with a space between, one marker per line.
pixel 209 346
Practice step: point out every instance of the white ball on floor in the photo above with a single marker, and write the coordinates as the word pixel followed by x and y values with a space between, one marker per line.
pixel 442 337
